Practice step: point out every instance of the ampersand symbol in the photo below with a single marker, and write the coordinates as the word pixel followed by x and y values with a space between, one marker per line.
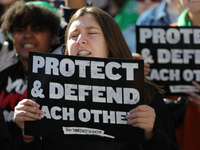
pixel 36 90
pixel 146 54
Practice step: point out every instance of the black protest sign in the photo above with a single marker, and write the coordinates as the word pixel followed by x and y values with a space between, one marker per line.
pixel 173 54
pixel 85 98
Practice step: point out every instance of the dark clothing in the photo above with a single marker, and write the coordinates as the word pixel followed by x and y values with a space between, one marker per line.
pixel 164 137
pixel 5 137
pixel 13 89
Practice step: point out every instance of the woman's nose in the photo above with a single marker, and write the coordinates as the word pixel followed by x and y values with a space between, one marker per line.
pixel 28 34
pixel 81 39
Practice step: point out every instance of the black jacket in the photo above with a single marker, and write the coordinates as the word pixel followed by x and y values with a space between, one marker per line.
pixel 5 137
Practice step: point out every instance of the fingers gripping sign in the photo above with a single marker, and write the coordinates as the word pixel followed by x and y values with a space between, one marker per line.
pixel 36 91
pixel 147 68
pixel 143 117
pixel 196 85
pixel 26 110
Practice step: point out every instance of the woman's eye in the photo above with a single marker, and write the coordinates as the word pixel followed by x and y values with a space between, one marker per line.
pixel 73 36
pixel 92 33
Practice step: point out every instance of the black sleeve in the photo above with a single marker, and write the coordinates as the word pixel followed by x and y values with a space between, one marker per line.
pixel 164 130
pixel 5 137
pixel 36 144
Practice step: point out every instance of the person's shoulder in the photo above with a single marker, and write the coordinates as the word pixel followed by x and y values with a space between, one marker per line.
pixel 7 59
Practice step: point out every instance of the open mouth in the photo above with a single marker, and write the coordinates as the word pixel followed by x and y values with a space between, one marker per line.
pixel 83 53
pixel 28 45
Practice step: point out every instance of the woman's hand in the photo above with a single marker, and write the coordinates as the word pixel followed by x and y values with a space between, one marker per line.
pixel 146 65
pixel 142 117
pixel 195 98
pixel 26 110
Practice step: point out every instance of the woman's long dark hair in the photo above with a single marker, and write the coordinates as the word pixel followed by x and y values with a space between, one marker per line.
pixel 117 45
pixel 20 15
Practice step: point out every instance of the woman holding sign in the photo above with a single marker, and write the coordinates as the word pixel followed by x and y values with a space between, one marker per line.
pixel 190 125
pixel 91 32
pixel 30 29
pixel 32 26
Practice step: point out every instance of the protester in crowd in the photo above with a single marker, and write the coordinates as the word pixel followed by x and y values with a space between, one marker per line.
pixel 162 15
pixel 7 55
pixel 129 32
pixel 31 30
pixel 98 34
pixel 188 130
pixel 125 13
pixel 4 6
pixel 5 138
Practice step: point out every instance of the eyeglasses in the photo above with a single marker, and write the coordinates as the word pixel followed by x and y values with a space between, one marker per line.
pixel 55 3
pixel 151 0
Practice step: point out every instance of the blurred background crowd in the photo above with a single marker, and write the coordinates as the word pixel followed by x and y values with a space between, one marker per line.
pixel 128 14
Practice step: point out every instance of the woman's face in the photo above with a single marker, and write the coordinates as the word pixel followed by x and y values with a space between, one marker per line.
pixel 192 5
pixel 86 38
pixel 29 38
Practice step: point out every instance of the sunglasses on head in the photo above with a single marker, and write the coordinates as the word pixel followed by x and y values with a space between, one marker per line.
pixel 151 0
